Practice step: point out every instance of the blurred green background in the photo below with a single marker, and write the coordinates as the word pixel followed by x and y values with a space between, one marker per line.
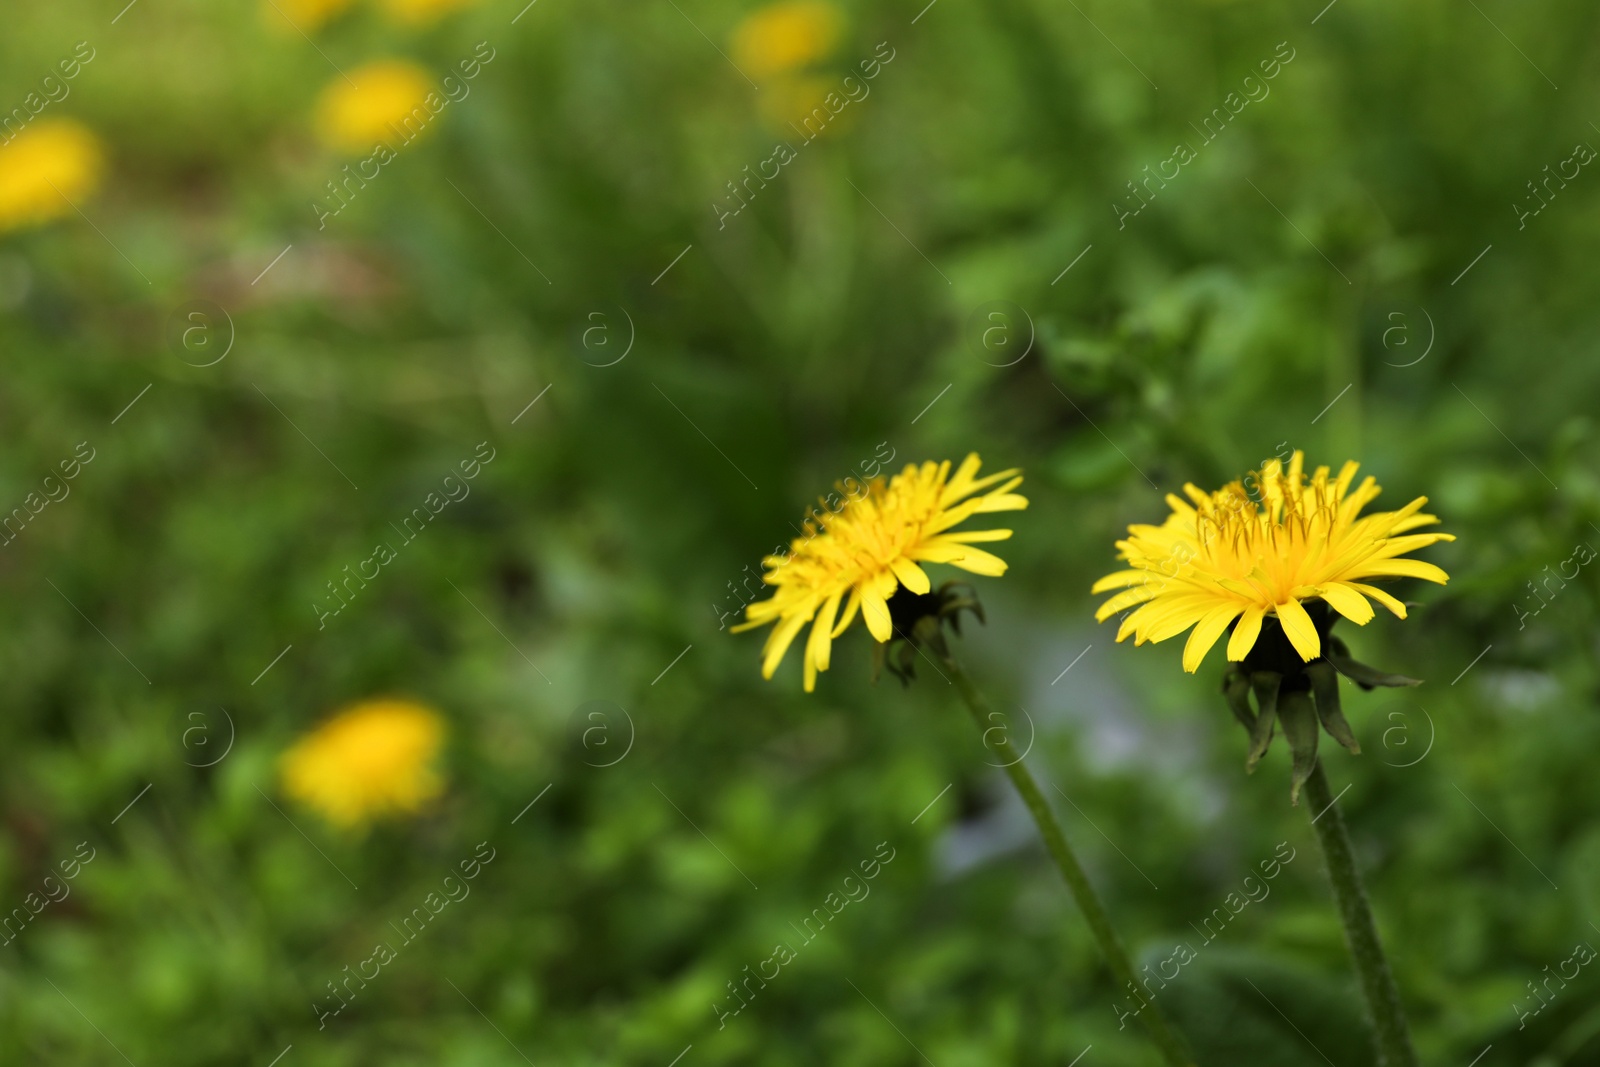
pixel 1308 278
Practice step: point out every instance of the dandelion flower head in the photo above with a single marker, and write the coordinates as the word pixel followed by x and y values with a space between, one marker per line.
pixel 1234 557
pixel 373 759
pixel 45 169
pixel 858 554
pixel 355 114
pixel 785 37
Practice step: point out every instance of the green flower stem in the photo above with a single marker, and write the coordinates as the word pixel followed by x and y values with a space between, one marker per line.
pixel 1360 932
pixel 1094 912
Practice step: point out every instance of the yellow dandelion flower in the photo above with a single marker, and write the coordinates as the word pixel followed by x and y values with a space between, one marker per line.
pixel 421 12
pixel 45 169
pixel 786 36
pixel 871 544
pixel 387 102
pixel 372 759
pixel 1228 555
pixel 305 16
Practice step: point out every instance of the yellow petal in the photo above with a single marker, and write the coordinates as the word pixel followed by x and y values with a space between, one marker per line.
pixel 1347 474
pixel 1244 589
pixel 1118 579
pixel 961 483
pixel 1399 546
pixel 1400 568
pixel 819 647
pixel 967 537
pixel 1301 630
pixel 1381 597
pixel 1413 522
pixel 1245 634
pixel 937 550
pixel 875 611
pixel 849 616
pixel 1179 506
pixel 1205 634
pixel 1176 618
pixel 1127 598
pixel 978 561
pixel 913 577
pixel 779 641
pixel 1003 502
pixel 982 483
pixel 968 468
pixel 1136 621
pixel 1347 602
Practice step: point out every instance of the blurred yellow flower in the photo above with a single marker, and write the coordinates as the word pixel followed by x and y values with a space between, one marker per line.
pixel 786 36
pixel 419 12
pixel 44 170
pixel 372 759
pixel 307 16
pixel 386 103
pixel 872 544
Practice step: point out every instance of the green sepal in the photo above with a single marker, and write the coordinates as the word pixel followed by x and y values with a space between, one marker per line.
pixel 917 621
pixel 1236 688
pixel 899 656
pixel 1325 690
pixel 1361 674
pixel 1300 728
pixel 1265 684
pixel 954 603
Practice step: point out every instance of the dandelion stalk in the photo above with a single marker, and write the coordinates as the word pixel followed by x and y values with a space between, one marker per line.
pixel 1360 931
pixel 1083 892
